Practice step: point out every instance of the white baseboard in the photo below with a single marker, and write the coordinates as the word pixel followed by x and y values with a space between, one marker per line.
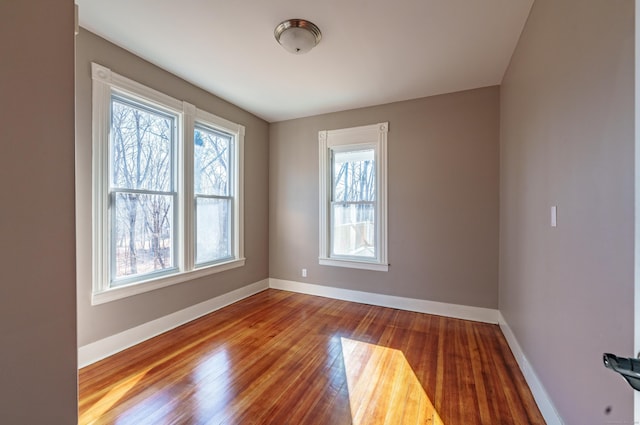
pixel 106 347
pixel 543 400
pixel 477 314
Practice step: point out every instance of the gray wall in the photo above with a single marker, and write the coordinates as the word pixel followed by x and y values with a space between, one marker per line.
pixel 97 322
pixel 443 199
pixel 567 139
pixel 38 373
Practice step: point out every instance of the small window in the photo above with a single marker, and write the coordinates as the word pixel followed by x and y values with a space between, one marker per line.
pixel 353 197
pixel 167 189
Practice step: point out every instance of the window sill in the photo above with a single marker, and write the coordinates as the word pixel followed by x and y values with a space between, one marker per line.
pixel 125 291
pixel 354 264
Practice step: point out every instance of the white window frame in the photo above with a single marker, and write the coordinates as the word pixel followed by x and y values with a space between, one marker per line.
pixel 106 82
pixel 354 138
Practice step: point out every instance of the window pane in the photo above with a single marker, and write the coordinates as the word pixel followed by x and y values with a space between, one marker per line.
pixel 353 232
pixel 141 147
pixel 142 234
pixel 211 162
pixel 354 177
pixel 213 229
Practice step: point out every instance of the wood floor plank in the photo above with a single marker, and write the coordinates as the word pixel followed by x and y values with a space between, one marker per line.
pixel 284 358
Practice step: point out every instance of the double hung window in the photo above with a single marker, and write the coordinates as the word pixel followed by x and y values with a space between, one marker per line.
pixel 353 206
pixel 213 178
pixel 167 189
pixel 142 191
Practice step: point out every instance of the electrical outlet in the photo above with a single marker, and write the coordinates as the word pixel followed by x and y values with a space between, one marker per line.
pixel 304 272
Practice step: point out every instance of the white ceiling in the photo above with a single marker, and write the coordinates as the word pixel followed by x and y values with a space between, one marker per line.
pixel 372 51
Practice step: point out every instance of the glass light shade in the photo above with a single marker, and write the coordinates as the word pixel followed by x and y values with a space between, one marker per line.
pixel 297 36
pixel 297 40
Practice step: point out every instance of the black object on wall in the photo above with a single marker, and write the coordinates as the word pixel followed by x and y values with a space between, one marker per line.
pixel 628 367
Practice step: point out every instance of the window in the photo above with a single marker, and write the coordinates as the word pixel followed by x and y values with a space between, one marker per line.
pixel 213 170
pixel 167 199
pixel 142 194
pixel 353 192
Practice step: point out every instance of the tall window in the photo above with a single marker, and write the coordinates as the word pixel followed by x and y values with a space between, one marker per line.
pixel 142 192
pixel 212 188
pixel 353 202
pixel 353 206
pixel 167 181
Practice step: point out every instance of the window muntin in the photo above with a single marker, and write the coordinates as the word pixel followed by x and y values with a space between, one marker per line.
pixel 353 197
pixel 145 169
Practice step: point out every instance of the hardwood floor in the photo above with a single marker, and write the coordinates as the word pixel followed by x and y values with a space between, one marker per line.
pixel 285 358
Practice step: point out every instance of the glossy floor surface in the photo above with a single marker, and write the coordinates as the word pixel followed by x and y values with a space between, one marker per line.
pixel 284 358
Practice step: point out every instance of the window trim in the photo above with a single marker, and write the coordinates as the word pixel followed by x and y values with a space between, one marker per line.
pixel 104 83
pixel 374 135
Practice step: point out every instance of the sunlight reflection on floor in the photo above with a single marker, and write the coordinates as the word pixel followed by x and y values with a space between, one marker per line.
pixel 383 389
pixel 111 398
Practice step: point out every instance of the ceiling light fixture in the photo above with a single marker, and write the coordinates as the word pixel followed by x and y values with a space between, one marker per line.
pixel 298 36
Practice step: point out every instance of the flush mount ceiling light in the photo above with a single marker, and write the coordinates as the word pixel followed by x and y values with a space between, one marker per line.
pixel 297 35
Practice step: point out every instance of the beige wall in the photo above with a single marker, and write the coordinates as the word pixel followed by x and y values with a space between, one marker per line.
pixel 38 371
pixel 443 199
pixel 97 322
pixel 567 139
